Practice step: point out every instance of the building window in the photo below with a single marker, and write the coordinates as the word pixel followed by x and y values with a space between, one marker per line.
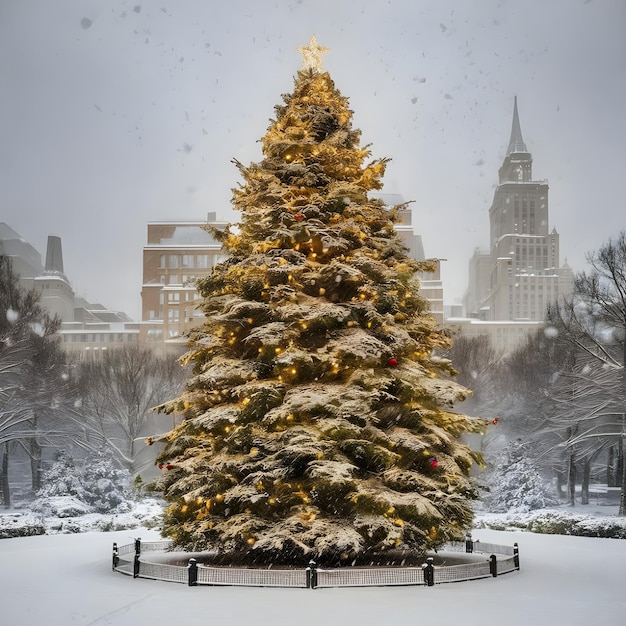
pixel 187 260
pixel 173 260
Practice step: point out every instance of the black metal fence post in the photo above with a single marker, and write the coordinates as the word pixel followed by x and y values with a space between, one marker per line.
pixel 311 575
pixel 493 565
pixel 516 555
pixel 469 543
pixel 136 565
pixel 429 572
pixel 116 556
pixel 193 572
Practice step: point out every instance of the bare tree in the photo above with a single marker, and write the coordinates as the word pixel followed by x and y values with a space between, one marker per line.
pixel 48 396
pixel 476 361
pixel 33 389
pixel 584 419
pixel 593 321
pixel 118 393
pixel 12 415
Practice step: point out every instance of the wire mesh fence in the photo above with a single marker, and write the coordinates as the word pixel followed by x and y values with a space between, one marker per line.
pixel 132 560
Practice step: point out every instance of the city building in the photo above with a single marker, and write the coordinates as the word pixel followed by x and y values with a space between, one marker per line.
pixel 431 286
pixel 176 254
pixel 179 251
pixel 521 274
pixel 25 259
pixel 87 329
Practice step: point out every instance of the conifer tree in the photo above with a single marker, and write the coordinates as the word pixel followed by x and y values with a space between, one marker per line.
pixel 318 422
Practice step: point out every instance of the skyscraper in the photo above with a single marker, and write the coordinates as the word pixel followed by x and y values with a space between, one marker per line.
pixel 521 273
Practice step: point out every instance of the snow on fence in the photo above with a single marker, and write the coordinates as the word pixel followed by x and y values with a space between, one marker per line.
pixel 131 560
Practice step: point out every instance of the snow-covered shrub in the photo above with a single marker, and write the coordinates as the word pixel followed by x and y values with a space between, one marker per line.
pixel 556 522
pixel 62 479
pixel 515 483
pixel 19 525
pixel 96 485
pixel 60 506
pixel 106 486
pixel 564 523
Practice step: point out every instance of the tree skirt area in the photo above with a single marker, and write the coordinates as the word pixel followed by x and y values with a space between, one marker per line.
pixel 63 579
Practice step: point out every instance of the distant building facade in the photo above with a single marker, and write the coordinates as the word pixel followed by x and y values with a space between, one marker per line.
pixel 431 286
pixel 176 254
pixel 520 274
pixel 25 259
pixel 87 330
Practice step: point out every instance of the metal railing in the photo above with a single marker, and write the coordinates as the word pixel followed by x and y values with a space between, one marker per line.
pixel 131 560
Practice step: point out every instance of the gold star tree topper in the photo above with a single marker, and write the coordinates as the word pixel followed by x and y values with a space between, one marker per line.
pixel 312 55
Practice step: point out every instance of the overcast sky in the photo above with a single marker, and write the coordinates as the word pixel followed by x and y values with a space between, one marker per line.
pixel 117 113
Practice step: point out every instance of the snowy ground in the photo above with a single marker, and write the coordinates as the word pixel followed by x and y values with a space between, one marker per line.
pixel 66 579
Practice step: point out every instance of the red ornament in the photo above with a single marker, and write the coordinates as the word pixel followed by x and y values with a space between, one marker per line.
pixel 433 461
pixel 495 421
pixel 160 465
pixel 299 217
pixel 392 362
pixel 169 466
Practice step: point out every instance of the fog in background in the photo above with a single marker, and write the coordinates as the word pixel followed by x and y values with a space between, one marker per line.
pixel 117 113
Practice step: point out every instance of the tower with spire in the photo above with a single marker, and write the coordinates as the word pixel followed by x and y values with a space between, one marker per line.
pixel 520 274
pixel 57 294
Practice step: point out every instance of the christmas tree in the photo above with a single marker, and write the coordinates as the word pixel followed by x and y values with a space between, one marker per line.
pixel 318 422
